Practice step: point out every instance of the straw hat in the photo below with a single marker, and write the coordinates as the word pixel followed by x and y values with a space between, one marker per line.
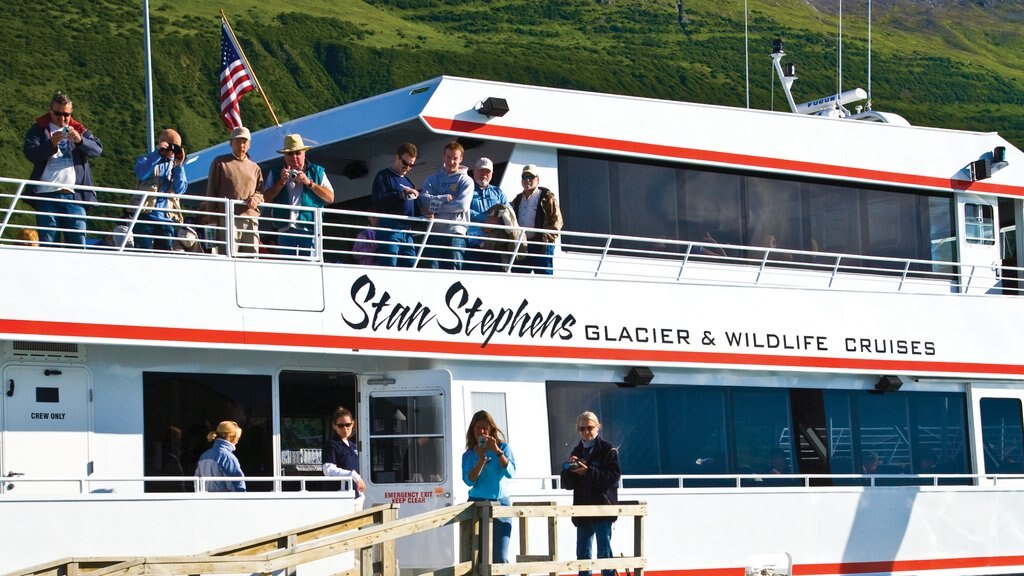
pixel 293 143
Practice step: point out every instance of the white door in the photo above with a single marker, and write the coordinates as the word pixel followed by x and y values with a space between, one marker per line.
pixel 406 431
pixel 45 427
pixel 977 223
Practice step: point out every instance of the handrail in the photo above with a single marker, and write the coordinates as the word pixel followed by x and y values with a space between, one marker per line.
pixel 197 485
pixel 378 528
pixel 209 224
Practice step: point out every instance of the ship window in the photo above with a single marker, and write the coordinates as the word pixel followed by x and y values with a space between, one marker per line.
pixel 979 227
pixel 712 430
pixel 180 409
pixel 406 438
pixel 1001 435
pixel 761 431
pixel 660 200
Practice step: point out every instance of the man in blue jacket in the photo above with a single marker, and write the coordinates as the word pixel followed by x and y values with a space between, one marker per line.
pixel 394 194
pixel 162 170
pixel 59 148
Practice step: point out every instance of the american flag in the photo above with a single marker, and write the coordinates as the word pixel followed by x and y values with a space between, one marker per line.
pixel 235 79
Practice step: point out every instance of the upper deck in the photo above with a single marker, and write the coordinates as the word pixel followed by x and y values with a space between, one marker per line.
pixel 625 301
pixel 915 283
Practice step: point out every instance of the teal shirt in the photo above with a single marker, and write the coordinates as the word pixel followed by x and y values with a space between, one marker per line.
pixel 490 485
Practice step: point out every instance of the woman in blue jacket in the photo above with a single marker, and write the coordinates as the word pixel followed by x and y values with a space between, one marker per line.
pixel 487 464
pixel 220 459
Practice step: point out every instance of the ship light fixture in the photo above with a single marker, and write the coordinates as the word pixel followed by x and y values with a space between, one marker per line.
pixel 493 107
pixel 888 384
pixel 637 376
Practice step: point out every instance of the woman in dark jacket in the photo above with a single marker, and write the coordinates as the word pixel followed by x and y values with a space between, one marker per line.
pixel 592 473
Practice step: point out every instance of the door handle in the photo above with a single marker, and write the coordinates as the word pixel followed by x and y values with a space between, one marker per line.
pixel 12 475
pixel 10 387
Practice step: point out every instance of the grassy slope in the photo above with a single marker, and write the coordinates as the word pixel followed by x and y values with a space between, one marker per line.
pixel 956 67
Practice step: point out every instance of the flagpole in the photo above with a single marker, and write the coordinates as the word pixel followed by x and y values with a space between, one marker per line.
pixel 150 127
pixel 249 66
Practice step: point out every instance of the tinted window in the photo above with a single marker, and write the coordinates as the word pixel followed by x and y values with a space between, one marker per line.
pixel 1001 435
pixel 605 195
pixel 179 410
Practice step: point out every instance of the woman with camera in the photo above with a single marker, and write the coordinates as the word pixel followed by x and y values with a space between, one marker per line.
pixel 487 464
pixel 592 473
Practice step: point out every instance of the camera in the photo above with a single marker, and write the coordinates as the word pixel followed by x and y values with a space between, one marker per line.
pixel 293 174
pixel 570 465
pixel 481 441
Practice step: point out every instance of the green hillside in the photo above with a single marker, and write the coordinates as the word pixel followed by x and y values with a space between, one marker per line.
pixel 958 66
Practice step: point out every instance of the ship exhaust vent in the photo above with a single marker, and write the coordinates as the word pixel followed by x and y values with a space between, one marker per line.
pixel 26 350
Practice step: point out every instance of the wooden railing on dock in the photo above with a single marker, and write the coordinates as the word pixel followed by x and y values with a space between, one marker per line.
pixel 371 534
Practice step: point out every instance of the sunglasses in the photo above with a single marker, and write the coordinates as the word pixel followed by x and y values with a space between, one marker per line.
pixel 586 428
pixel 528 177
pixel 61 114
pixel 344 425
pixel 406 163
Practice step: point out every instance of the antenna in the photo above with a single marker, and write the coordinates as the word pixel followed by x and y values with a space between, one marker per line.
pixel 786 77
pixel 746 49
pixel 869 56
pixel 839 75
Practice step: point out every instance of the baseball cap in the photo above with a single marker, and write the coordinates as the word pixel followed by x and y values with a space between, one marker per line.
pixel 240 132
pixel 485 164
pixel 531 169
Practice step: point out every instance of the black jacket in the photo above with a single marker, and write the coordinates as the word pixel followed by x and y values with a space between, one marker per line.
pixel 600 485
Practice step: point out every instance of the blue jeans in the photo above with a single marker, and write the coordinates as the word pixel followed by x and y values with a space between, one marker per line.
pixel 394 243
pixel 586 531
pixel 445 252
pixel 501 533
pixel 538 259
pixel 295 242
pixel 68 218
pixel 163 231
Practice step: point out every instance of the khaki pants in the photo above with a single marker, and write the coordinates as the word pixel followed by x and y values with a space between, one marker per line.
pixel 247 235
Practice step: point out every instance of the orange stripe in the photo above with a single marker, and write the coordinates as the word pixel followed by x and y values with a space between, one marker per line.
pixel 392 345
pixel 744 160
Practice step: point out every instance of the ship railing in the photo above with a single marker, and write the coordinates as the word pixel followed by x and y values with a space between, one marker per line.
pixel 35 485
pixel 670 483
pixel 118 222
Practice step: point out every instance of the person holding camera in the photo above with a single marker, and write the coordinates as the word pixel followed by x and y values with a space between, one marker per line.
pixel 394 194
pixel 162 170
pixel 487 464
pixel 59 148
pixel 296 183
pixel 592 473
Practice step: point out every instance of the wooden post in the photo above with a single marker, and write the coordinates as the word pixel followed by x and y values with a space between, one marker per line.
pixel 388 560
pixel 486 537
pixel 553 539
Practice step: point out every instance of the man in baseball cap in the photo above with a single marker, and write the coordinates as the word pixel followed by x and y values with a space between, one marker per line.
pixel 235 176
pixel 485 196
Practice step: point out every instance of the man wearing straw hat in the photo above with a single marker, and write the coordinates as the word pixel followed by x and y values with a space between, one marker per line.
pixel 301 184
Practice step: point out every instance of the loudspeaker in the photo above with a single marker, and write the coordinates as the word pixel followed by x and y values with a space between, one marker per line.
pixel 493 107
pixel 888 384
pixel 980 170
pixel 638 376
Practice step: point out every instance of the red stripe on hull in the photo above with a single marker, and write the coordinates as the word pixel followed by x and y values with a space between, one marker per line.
pixel 392 345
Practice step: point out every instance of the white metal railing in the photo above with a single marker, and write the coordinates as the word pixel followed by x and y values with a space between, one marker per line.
pixel 159 484
pixel 679 482
pixel 118 222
